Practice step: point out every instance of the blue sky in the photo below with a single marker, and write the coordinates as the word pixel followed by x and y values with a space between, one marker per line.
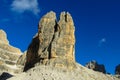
pixel 97 24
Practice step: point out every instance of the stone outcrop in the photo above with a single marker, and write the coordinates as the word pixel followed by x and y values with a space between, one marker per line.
pixel 8 55
pixel 117 70
pixel 95 66
pixel 54 43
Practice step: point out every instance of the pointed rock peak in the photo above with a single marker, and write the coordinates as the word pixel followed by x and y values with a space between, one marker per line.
pixel 3 37
pixel 66 17
pixel 50 14
pixel 62 16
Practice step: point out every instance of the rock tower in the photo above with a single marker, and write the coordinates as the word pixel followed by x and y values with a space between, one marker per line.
pixel 54 43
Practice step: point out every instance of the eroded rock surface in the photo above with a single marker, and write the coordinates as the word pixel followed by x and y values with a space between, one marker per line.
pixel 22 59
pixel 4 44
pixel 54 43
pixel 8 55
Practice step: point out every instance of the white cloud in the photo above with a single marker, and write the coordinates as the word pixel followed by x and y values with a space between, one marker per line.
pixel 102 41
pixel 21 6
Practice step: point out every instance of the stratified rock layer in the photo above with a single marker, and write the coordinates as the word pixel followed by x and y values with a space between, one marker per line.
pixel 4 43
pixel 8 55
pixel 95 66
pixel 54 43
pixel 21 60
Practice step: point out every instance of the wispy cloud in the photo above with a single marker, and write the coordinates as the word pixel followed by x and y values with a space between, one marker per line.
pixel 21 6
pixel 101 42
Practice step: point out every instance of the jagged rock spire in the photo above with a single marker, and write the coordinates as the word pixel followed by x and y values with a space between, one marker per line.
pixel 54 43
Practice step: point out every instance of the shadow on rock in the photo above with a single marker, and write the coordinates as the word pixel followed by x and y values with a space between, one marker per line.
pixel 5 76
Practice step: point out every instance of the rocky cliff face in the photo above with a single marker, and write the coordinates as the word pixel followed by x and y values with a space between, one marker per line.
pixel 4 44
pixel 54 43
pixel 8 55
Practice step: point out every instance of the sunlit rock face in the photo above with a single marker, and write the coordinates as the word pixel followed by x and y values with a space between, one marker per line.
pixel 4 43
pixel 8 55
pixel 54 43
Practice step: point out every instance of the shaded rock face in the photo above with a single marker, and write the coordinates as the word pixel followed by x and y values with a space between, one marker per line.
pixel 8 55
pixel 54 43
pixel 117 70
pixel 5 76
pixel 95 66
